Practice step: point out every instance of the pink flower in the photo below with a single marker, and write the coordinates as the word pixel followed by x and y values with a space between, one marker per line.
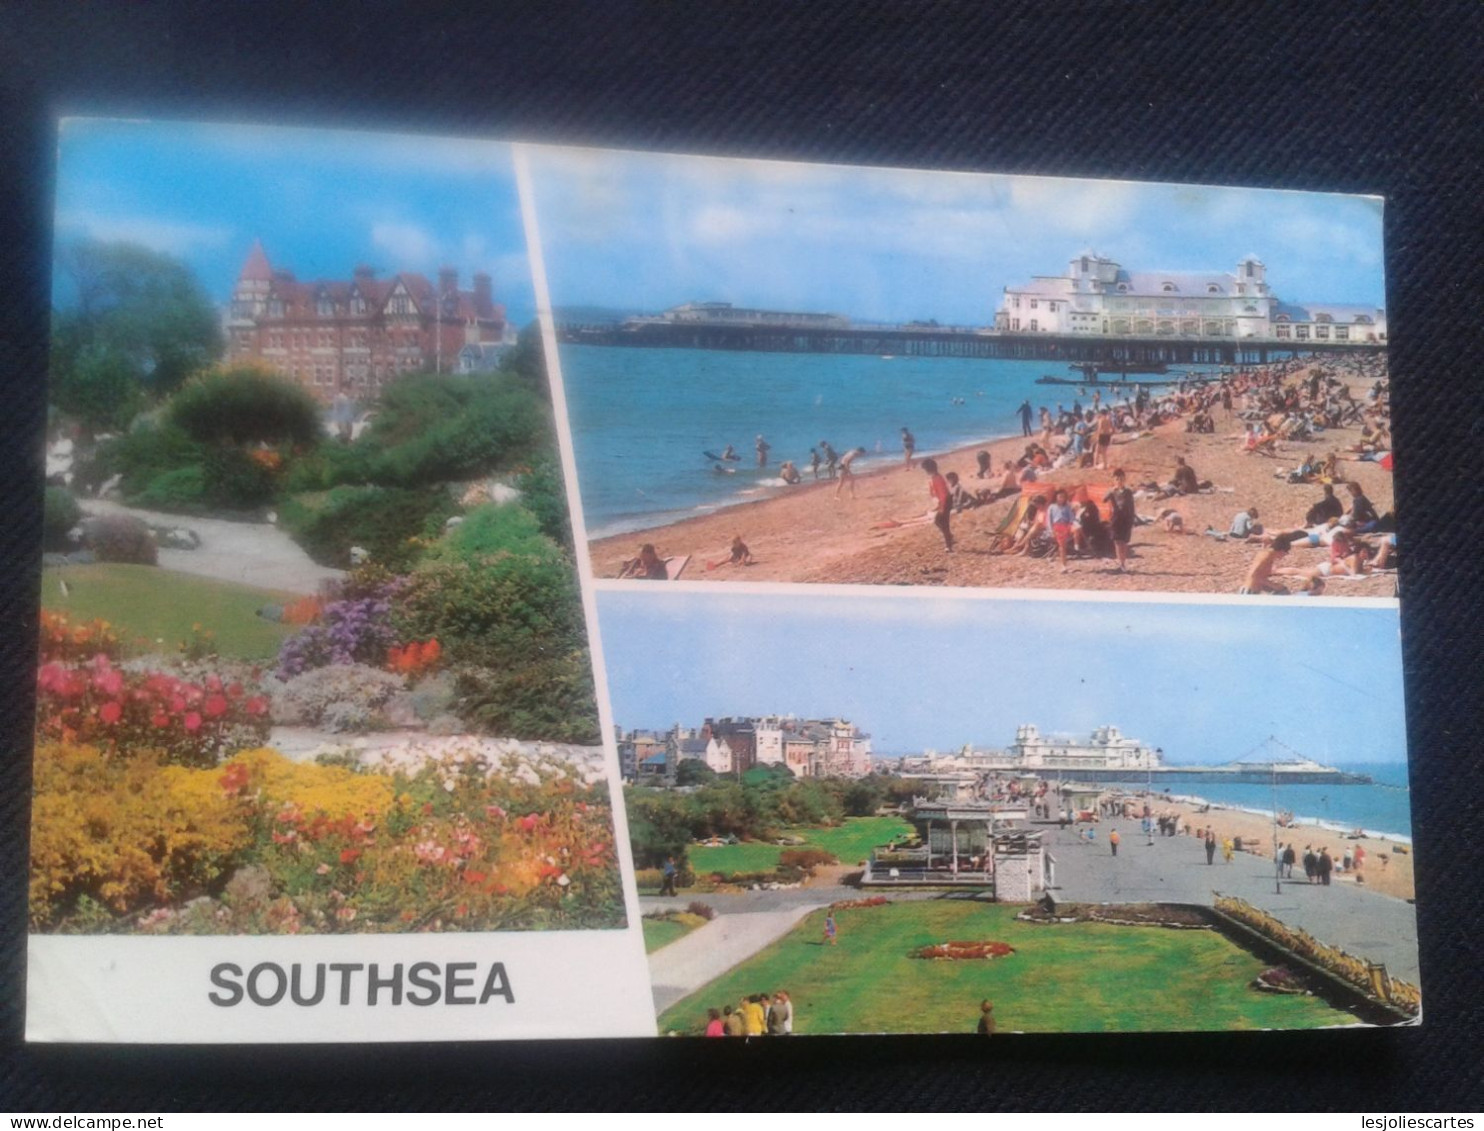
pixel 109 681
pixel 110 712
pixel 216 706
pixel 193 721
pixel 257 705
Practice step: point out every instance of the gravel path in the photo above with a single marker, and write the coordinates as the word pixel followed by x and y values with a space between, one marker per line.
pixel 250 553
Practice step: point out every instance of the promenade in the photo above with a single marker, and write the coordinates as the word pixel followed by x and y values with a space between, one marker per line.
pixel 1174 870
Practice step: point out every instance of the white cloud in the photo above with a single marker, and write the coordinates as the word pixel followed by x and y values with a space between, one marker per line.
pixel 407 243
pixel 173 237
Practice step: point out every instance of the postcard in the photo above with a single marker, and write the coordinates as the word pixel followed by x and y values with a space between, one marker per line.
pixel 1057 688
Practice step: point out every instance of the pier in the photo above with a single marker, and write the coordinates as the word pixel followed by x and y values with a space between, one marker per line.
pixel 936 341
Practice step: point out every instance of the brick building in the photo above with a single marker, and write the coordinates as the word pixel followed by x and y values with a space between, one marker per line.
pixel 353 337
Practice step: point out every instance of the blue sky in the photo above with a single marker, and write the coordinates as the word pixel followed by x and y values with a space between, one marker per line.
pixel 1206 683
pixel 321 201
pixel 650 231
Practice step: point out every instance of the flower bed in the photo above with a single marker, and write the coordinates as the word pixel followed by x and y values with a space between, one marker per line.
pixel 124 710
pixel 1281 980
pixel 854 904
pixel 70 642
pixel 959 951
pixel 262 845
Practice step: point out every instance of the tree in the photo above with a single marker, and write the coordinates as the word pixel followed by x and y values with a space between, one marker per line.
pixel 528 361
pixel 144 308
pixel 98 387
pixel 693 771
pixel 246 405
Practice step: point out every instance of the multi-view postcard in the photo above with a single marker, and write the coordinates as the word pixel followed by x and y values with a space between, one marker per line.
pixel 383 692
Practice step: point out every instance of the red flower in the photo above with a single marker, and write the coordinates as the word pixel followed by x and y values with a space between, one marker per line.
pixel 110 712
pixel 216 706
pixel 474 877
pixel 528 823
pixel 159 719
pixel 257 705
pixel 193 721
pixel 350 855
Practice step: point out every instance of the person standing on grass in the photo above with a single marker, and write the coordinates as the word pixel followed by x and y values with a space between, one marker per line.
pixel 715 1027
pixel 942 502
pixel 831 930
pixel 986 1019
pixel 780 1016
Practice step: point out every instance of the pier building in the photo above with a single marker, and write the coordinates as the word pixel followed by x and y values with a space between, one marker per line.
pixel 1098 297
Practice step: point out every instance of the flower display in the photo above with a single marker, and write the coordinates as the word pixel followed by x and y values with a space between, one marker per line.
pixel 68 642
pixel 120 710
pixel 959 951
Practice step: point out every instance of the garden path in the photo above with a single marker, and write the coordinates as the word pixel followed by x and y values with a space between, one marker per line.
pixel 708 952
pixel 250 553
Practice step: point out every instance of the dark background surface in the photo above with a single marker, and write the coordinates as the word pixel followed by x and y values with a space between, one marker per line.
pixel 1379 98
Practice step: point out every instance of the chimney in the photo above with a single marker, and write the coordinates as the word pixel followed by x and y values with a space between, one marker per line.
pixel 448 281
pixel 364 272
pixel 483 295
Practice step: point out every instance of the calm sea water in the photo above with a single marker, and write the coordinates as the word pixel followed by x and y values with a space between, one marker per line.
pixel 1385 806
pixel 642 419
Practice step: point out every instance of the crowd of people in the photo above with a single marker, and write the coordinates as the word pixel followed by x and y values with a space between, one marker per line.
pixel 755 1015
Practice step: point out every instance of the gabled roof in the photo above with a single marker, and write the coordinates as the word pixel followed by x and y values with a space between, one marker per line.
pixel 256 269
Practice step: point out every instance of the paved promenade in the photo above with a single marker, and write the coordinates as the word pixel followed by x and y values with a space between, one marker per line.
pixel 1174 869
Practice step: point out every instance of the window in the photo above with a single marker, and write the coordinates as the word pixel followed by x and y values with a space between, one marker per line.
pixel 401 304
pixel 1015 323
pixel 1123 288
pixel 1321 332
pixel 1213 289
pixel 1017 302
pixel 1168 288
pixel 324 307
pixel 1301 333
pixel 1033 304
pixel 1362 320
pixel 275 308
pixel 1342 333
pixel 357 304
pixel 1323 318
pixel 1084 264
pixel 1248 266
pixel 1282 329
pixel 1033 322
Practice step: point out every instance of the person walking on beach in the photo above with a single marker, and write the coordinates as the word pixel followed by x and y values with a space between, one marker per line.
pixel 942 501
pixel 845 473
pixel 1325 866
pixel 1210 847
pixel 1289 857
pixel 763 448
pixel 831 458
pixel 1025 417
pixel 1113 840
pixel 909 445
pixel 1311 863
pixel 831 931
pixel 1120 501
pixel 814 462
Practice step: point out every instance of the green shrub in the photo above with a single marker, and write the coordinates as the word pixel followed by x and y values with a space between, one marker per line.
pixel 59 515
pixel 381 520
pixel 121 538
pixel 245 405
pixel 440 429
pixel 544 494
pixel 183 489
pixel 507 612
pixel 332 464
pixel 145 453
pixel 549 699
pixel 494 528
pixel 234 480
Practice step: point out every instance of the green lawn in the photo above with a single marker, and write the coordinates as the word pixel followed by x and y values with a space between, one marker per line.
pixel 662 932
pixel 153 610
pixel 851 843
pixel 1069 977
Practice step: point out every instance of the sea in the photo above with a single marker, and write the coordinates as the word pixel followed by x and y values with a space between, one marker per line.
pixel 1383 807
pixel 644 419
